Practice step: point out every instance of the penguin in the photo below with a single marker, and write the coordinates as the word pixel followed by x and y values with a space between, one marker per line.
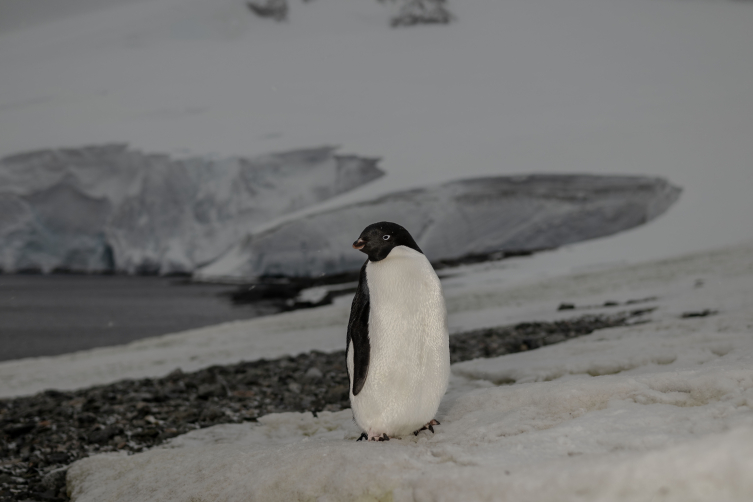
pixel 398 346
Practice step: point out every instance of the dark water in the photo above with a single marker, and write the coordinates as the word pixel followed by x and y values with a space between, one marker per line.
pixel 54 314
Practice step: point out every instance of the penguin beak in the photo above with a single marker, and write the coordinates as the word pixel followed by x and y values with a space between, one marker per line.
pixel 359 244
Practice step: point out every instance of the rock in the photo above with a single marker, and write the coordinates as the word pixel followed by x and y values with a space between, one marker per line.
pixel 549 340
pixel 294 387
pixel 16 430
pixel 175 374
pixel 55 479
pixel 313 374
pixel 211 413
pixel 273 9
pixel 414 12
pixel 211 390
pixel 57 458
pixel 337 393
pixel 700 313
pixel 104 435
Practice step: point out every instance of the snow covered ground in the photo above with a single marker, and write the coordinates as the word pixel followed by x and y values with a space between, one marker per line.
pixel 657 411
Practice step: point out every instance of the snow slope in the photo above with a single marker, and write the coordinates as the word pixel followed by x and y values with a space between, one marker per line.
pixel 111 208
pixel 463 218
pixel 658 411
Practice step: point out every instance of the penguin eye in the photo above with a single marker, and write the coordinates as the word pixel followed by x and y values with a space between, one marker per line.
pixel 386 237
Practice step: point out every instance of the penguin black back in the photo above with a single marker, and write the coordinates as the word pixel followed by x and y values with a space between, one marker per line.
pixel 358 333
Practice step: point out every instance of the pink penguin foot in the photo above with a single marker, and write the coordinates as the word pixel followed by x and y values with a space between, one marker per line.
pixel 373 436
pixel 378 437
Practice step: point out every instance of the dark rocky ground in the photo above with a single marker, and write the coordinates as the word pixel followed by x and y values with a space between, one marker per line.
pixel 40 435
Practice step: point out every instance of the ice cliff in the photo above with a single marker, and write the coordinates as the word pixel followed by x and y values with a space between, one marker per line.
pixel 105 208
pixel 454 220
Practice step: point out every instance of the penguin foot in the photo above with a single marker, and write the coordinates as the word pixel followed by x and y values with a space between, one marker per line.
pixel 428 426
pixel 377 437
pixel 363 436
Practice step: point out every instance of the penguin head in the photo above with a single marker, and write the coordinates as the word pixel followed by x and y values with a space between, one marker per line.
pixel 378 239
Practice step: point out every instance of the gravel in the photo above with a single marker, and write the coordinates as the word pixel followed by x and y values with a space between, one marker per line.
pixel 41 435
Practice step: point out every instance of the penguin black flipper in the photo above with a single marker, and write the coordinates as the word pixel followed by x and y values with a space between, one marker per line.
pixel 358 333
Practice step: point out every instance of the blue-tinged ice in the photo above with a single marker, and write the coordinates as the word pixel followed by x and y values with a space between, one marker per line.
pixel 113 208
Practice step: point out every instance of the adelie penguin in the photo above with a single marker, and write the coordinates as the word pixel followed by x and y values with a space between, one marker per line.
pixel 398 353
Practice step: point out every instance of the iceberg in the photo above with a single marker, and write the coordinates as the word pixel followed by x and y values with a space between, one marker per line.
pixel 464 219
pixel 111 208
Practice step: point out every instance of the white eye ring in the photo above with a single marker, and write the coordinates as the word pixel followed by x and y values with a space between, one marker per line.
pixel 386 237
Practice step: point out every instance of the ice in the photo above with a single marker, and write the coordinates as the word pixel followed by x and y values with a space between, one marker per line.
pixel 454 220
pixel 112 208
pixel 658 411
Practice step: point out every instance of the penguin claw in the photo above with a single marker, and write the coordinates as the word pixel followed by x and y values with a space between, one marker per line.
pixel 375 437
pixel 429 426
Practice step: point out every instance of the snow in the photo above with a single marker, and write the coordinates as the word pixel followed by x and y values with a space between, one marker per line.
pixel 480 216
pixel 111 208
pixel 627 87
pixel 662 411
pixel 714 467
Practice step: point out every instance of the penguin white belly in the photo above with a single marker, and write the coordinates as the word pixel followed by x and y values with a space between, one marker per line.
pixel 409 358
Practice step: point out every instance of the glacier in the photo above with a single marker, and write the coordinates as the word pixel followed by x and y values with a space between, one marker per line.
pixel 111 208
pixel 480 217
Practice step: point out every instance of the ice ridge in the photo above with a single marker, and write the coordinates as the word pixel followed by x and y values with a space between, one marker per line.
pixel 113 208
pixel 469 217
